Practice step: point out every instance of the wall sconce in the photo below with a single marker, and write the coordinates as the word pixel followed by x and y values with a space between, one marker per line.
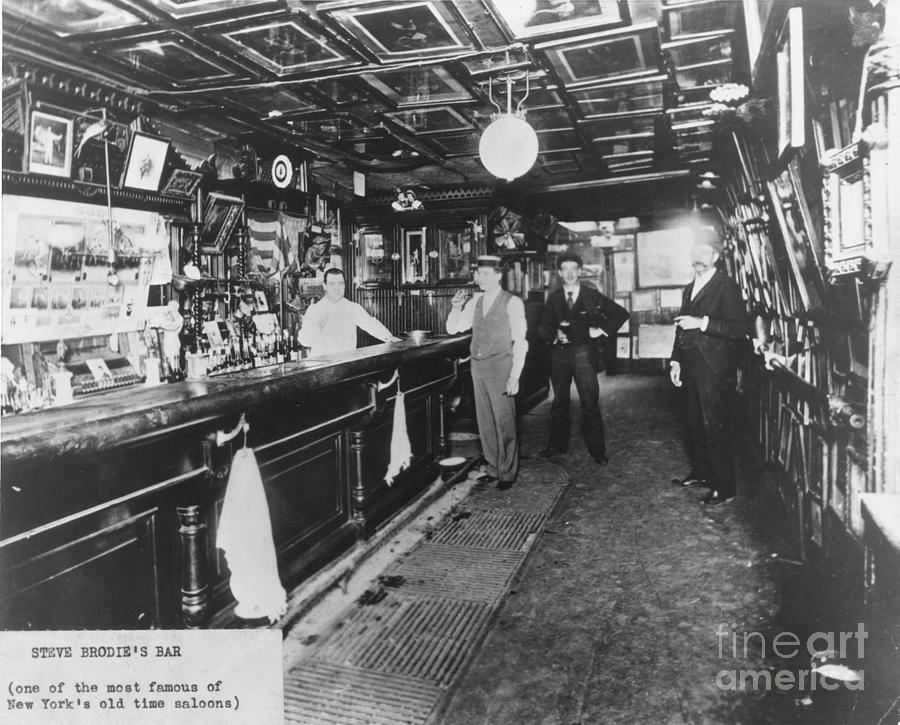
pixel 509 146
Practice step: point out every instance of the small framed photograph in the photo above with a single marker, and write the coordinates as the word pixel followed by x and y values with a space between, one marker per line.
pixel 182 183
pixel 611 55
pixel 220 215
pixel 50 144
pixel 535 19
pixel 145 163
pixel 414 256
pixel 262 303
pixel 791 90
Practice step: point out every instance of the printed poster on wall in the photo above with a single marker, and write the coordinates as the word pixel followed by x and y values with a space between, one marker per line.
pixel 56 271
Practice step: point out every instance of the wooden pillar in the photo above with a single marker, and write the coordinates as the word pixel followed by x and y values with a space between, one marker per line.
pixel 884 343
pixel 358 493
pixel 443 448
pixel 194 578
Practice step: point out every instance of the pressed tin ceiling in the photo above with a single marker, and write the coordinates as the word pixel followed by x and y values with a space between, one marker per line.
pixel 400 90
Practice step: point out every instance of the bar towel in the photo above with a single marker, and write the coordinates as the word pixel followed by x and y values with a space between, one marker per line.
pixel 245 536
pixel 401 450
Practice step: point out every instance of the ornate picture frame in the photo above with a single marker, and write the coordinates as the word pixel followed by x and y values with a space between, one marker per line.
pixel 220 215
pixel 182 183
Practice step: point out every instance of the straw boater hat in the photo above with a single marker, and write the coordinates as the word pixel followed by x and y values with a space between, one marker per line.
pixel 490 260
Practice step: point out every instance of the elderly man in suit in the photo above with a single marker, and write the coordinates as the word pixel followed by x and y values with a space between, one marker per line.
pixel 712 319
pixel 578 321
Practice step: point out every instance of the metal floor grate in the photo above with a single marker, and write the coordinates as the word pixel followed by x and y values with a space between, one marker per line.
pixel 322 693
pixel 392 662
pixel 491 530
pixel 458 572
pixel 425 638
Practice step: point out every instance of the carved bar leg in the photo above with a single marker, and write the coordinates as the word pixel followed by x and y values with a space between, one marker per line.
pixel 358 495
pixel 194 579
pixel 443 442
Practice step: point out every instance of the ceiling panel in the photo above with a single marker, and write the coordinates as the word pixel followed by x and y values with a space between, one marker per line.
pixel 282 45
pixel 402 89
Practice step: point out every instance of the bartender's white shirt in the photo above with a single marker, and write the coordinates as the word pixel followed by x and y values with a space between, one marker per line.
pixel 330 327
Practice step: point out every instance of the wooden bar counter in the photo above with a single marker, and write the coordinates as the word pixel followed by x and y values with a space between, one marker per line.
pixel 109 506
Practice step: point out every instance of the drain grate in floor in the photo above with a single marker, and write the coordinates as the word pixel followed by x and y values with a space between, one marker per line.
pixel 458 572
pixel 425 638
pixel 322 693
pixel 491 530
pixel 535 498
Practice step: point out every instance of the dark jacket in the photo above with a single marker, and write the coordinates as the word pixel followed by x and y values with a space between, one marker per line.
pixel 591 309
pixel 721 300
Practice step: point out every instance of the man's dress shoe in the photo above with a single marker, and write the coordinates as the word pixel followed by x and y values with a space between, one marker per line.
pixel 601 460
pixel 504 485
pixel 486 478
pixel 714 498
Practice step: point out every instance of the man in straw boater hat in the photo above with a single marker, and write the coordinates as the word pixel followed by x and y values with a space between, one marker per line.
pixel 711 321
pixel 497 321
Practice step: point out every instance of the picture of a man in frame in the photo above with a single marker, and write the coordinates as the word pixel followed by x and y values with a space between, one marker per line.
pixel 49 150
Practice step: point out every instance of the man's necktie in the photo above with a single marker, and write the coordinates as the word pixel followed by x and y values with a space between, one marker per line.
pixel 570 303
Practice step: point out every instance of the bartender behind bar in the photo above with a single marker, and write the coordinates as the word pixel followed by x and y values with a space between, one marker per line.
pixel 329 325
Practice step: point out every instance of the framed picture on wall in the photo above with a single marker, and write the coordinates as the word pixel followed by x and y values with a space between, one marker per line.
pixel 664 258
pixel 182 183
pixel 456 252
pixel 145 163
pixel 789 60
pixel 798 237
pixel 220 215
pixel 414 256
pixel 374 263
pixel 623 270
pixel 49 147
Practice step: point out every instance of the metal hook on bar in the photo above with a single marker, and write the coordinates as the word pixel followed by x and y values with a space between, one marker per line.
pixel 395 376
pixel 462 360
pixel 243 426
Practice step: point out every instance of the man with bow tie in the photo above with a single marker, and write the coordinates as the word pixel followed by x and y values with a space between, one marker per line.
pixel 713 318
pixel 580 324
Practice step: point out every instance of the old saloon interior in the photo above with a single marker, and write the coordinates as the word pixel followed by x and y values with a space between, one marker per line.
pixel 179 175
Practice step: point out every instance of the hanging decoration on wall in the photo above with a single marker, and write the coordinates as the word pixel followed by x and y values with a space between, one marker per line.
pixel 407 200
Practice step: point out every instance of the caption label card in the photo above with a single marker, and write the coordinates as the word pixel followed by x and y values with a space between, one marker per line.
pixel 172 676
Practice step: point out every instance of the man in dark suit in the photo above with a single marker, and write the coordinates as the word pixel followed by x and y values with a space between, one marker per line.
pixel 712 319
pixel 580 324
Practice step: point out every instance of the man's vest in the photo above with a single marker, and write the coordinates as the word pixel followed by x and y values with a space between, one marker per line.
pixel 491 333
